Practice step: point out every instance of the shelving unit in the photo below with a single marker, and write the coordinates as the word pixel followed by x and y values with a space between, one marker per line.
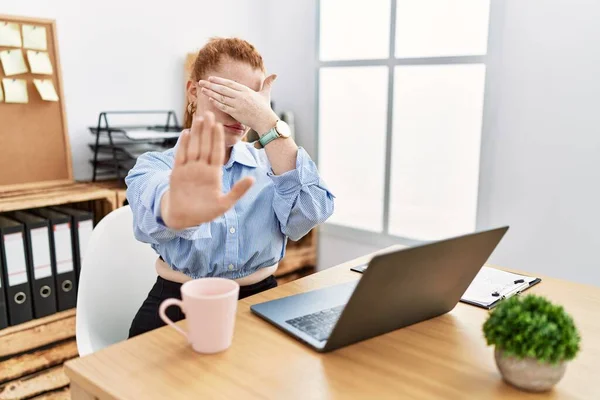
pixel 32 353
pixel 117 145
pixel 119 189
pixel 300 258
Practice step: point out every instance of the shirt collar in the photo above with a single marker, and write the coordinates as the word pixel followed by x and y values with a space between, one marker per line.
pixel 241 154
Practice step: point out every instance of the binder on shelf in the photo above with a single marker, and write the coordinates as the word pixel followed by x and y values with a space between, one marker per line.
pixel 14 271
pixel 82 224
pixel 39 264
pixel 3 310
pixel 61 251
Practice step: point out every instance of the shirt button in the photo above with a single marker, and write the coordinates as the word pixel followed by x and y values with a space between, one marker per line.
pixel 232 230
pixel 231 267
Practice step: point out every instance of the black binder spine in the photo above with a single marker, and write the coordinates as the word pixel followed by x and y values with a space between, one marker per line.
pixel 39 264
pixel 3 308
pixel 82 223
pixel 61 257
pixel 16 275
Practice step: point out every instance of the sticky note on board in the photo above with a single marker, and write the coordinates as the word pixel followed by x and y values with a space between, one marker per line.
pixel 15 90
pixel 39 62
pixel 34 37
pixel 45 88
pixel 10 34
pixel 13 62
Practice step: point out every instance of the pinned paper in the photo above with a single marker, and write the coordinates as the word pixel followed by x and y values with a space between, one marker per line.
pixel 1 94
pixel 15 90
pixel 34 37
pixel 10 35
pixel 13 62
pixel 45 88
pixel 39 62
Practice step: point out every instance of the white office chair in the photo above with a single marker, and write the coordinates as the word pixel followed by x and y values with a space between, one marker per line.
pixel 116 276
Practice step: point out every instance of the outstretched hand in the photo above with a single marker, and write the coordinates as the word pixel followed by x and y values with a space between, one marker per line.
pixel 195 194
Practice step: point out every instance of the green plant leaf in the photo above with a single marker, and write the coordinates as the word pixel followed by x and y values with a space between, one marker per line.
pixel 531 326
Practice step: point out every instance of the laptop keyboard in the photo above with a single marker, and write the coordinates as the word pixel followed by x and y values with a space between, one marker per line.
pixel 318 325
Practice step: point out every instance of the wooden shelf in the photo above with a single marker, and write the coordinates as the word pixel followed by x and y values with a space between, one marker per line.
pixel 37 322
pixel 57 195
pixel 118 187
pixel 37 333
pixel 32 354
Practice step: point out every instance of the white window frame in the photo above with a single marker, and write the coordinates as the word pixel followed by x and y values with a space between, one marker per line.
pixel 384 238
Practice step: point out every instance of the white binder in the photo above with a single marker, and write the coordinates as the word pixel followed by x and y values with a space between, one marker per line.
pixel 63 248
pixel 16 266
pixel 40 248
pixel 85 232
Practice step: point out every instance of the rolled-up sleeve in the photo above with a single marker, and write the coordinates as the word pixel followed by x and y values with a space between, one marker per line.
pixel 147 182
pixel 302 201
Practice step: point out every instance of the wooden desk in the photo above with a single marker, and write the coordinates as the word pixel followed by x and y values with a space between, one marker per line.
pixel 444 358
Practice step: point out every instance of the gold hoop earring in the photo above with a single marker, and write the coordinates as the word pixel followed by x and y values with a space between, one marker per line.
pixel 191 108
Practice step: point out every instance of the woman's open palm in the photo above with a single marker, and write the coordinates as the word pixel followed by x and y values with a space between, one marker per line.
pixel 195 193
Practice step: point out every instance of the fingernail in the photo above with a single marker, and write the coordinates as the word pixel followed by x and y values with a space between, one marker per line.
pixel 210 78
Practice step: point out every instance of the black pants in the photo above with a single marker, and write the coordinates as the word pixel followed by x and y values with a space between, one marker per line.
pixel 147 317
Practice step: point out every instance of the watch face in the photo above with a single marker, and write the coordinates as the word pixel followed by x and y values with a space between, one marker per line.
pixel 283 129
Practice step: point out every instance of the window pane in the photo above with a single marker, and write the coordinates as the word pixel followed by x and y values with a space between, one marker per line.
pixel 436 28
pixel 352 126
pixel 435 152
pixel 353 30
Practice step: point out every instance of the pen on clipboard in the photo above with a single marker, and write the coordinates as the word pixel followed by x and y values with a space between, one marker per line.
pixel 513 291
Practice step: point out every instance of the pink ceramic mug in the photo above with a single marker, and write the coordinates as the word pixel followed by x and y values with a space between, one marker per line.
pixel 210 305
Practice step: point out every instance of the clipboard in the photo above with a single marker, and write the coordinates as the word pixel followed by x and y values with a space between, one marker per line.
pixel 492 285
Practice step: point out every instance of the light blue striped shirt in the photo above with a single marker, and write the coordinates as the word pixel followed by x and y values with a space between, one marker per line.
pixel 252 234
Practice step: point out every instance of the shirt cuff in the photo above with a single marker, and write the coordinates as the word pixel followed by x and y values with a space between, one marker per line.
pixel 306 173
pixel 195 232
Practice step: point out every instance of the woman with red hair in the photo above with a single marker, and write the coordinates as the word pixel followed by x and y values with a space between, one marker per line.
pixel 216 206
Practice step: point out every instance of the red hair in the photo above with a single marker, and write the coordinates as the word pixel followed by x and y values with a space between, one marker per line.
pixel 210 56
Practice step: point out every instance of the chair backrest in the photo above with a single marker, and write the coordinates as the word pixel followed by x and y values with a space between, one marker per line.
pixel 116 276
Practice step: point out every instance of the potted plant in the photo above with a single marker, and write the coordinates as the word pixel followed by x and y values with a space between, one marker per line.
pixel 533 340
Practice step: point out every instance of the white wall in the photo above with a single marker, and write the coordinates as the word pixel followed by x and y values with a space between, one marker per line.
pixel 129 55
pixel 541 151
pixel 291 54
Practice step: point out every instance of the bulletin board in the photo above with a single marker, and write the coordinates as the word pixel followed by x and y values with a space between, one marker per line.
pixel 34 142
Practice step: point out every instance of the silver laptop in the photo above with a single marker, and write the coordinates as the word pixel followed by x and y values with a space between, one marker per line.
pixel 396 290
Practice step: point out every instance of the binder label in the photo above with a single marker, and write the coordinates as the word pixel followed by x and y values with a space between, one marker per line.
pixel 15 259
pixel 85 232
pixel 40 248
pixel 64 250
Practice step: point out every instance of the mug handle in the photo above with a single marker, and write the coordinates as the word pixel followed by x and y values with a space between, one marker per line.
pixel 162 312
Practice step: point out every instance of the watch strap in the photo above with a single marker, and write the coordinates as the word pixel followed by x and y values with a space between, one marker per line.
pixel 268 137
